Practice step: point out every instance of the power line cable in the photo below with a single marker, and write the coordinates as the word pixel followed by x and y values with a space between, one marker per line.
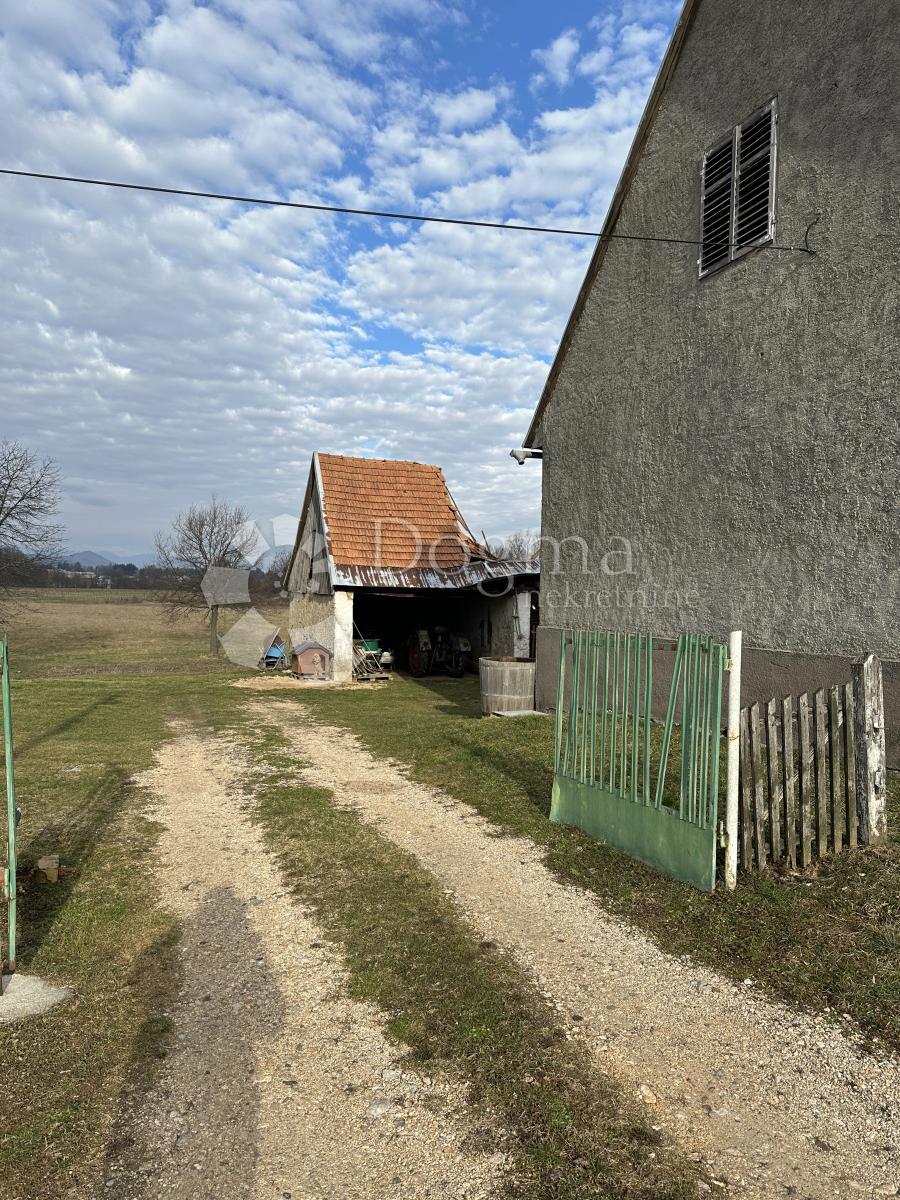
pixel 374 212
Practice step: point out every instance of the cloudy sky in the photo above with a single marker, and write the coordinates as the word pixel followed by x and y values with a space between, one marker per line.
pixel 161 349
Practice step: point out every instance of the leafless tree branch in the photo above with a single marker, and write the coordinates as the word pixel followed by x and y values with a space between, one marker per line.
pixel 29 499
pixel 216 534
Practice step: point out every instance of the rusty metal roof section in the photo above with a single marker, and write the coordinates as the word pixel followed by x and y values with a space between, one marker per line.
pixel 392 514
pixel 467 575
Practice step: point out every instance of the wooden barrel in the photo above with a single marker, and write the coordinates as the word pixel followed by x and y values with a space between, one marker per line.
pixel 507 685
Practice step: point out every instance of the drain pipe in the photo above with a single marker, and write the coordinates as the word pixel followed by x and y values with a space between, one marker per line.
pixel 525 452
pixel 735 639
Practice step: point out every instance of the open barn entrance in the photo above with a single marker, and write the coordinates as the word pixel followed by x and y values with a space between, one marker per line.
pixel 490 624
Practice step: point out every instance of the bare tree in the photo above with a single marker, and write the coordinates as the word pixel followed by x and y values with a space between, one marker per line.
pixel 214 535
pixel 29 499
pixel 523 545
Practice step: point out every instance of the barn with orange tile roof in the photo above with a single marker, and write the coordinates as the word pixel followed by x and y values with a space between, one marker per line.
pixel 383 551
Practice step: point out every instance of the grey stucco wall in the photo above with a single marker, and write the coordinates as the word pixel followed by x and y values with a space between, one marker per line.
pixel 742 431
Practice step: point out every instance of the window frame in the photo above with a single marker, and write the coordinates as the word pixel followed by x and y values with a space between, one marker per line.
pixel 736 252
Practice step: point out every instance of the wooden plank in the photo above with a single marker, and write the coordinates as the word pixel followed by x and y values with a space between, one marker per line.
pixel 835 769
pixel 849 767
pixel 821 727
pixel 871 764
pixel 759 809
pixel 789 773
pixel 746 803
pixel 776 790
pixel 807 786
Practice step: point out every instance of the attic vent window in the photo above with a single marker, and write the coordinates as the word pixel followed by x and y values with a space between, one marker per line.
pixel 737 200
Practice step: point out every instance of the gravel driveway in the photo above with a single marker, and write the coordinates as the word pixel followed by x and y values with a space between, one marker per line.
pixel 779 1103
pixel 277 1085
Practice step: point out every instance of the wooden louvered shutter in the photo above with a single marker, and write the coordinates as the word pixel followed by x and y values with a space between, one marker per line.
pixel 737 200
pixel 717 205
pixel 754 199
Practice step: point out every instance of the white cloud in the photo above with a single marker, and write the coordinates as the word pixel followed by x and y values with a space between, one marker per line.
pixel 462 110
pixel 557 59
pixel 162 349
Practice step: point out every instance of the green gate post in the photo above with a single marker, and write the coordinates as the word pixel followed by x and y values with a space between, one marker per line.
pixel 9 879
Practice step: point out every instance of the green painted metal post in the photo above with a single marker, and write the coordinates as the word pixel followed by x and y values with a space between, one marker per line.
pixel 648 714
pixel 560 698
pixel 9 881
pixel 623 753
pixel 572 726
pixel 696 724
pixel 670 718
pixel 716 734
pixel 595 662
pixel 685 727
pixel 614 716
pixel 706 665
pixel 605 706
pixel 585 706
pixel 635 718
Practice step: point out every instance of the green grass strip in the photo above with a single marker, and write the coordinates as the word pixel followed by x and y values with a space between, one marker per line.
pixel 458 1003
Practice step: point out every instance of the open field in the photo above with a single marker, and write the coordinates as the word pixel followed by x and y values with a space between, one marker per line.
pixel 80 631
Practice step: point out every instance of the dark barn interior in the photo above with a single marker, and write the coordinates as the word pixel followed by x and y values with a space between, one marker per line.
pixel 393 616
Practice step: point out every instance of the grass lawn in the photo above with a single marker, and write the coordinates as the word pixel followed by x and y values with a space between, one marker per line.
pixel 828 940
pixel 85 631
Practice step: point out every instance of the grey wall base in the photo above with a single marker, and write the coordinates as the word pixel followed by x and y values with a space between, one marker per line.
pixel 765 673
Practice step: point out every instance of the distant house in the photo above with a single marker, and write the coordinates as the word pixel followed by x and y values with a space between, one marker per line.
pixel 721 423
pixel 382 551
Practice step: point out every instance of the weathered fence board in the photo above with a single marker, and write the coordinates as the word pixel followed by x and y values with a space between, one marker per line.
pixel 776 787
pixel 790 780
pixel 835 782
pixel 821 744
pixel 759 809
pixel 812 774
pixel 745 817
pixel 849 766
pixel 807 781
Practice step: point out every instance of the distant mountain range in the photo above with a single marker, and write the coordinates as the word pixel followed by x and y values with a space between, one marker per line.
pixel 90 558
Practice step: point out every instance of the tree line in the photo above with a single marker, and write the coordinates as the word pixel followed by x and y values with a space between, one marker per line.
pixel 205 536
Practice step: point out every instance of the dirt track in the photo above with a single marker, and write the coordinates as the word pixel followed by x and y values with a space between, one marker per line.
pixel 779 1103
pixel 277 1084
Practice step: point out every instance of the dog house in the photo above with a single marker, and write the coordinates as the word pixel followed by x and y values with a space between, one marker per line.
pixel 311 660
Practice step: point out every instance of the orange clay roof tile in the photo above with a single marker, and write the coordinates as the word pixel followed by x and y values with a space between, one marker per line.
pixel 385 513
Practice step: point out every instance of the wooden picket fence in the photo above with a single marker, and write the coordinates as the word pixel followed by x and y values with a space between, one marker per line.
pixel 805 773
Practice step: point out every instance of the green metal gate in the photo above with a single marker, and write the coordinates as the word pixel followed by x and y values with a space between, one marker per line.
pixel 649 790
pixel 8 952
